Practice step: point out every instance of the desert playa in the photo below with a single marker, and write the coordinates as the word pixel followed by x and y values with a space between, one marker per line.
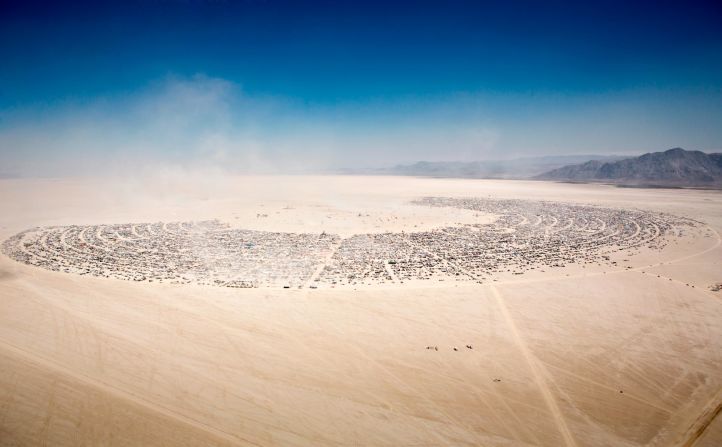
pixel 389 332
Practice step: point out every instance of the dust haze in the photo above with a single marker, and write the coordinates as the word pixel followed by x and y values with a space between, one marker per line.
pixel 200 125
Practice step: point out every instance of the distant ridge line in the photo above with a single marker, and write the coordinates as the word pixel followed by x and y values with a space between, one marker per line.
pixel 675 167
pixel 519 168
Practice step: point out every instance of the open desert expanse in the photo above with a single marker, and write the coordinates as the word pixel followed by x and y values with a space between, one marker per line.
pixel 377 327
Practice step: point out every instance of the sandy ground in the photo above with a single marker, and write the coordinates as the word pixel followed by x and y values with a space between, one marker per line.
pixel 627 357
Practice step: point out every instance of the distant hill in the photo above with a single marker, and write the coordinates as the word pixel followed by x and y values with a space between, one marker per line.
pixel 674 167
pixel 520 168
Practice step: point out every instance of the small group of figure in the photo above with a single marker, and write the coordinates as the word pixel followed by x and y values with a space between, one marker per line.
pixel 436 348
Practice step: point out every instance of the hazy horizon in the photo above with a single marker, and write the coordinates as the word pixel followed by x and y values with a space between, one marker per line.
pixel 278 87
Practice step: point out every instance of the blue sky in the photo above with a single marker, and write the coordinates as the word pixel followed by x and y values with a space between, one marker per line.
pixel 354 83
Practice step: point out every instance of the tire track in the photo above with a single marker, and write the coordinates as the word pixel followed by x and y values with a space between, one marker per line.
pixel 537 371
pixel 124 395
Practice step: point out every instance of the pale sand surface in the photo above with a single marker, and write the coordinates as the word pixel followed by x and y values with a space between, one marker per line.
pixel 96 361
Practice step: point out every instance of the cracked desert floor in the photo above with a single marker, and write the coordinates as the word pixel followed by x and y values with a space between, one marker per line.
pixel 622 354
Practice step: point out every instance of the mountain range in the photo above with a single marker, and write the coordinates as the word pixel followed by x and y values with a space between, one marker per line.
pixel 519 168
pixel 674 167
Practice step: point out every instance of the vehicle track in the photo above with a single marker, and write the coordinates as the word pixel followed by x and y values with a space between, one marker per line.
pixel 124 395
pixel 537 370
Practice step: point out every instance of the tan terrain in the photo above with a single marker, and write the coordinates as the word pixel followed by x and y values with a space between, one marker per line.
pixel 628 354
